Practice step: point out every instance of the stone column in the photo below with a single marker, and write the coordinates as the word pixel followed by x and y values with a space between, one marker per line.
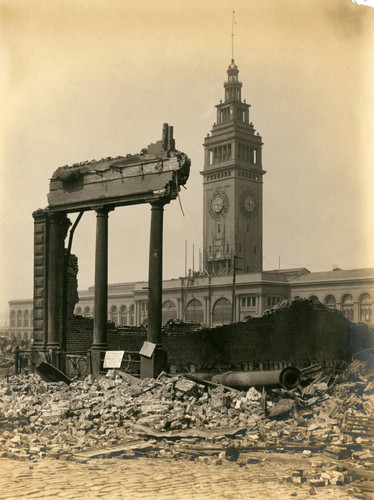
pixel 101 289
pixel 39 318
pixel 152 367
pixel 56 235
pixel 237 308
pixel 179 308
pixel 206 311
pixel 356 312
pixel 261 307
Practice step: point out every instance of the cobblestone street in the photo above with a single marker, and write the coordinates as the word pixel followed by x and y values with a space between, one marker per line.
pixel 144 478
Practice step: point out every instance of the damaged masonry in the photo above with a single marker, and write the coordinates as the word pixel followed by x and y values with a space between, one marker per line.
pixel 234 396
pixel 154 176
pixel 326 420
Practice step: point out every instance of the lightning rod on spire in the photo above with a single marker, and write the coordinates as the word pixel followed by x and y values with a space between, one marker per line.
pixel 232 34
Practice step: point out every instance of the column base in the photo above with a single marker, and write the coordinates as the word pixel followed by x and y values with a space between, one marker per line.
pixel 96 361
pixel 152 367
pixel 53 354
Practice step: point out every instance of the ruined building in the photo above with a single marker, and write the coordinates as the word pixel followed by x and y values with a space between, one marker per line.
pixel 232 221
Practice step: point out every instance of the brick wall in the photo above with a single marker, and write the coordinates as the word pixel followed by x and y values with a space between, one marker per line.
pixel 296 334
pixel 299 334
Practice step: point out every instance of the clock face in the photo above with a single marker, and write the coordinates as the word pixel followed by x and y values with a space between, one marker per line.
pixel 248 204
pixel 218 204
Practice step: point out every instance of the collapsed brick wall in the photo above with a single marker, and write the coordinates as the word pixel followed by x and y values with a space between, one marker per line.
pixel 296 334
pixel 300 333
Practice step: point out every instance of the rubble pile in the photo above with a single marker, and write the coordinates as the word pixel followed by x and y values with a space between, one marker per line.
pixel 172 415
pixel 8 349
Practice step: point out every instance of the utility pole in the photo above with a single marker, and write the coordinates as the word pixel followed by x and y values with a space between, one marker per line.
pixel 235 259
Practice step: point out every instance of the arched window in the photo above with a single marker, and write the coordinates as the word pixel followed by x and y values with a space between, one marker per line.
pixel 78 311
pixel 87 312
pixel 222 312
pixel 113 315
pixel 26 318
pixel 131 315
pixel 314 299
pixel 365 308
pixel 25 336
pixel 330 302
pixel 169 311
pixel 347 306
pixel 195 311
pixel 143 312
pixel 13 319
pixel 123 316
pixel 19 335
pixel 19 319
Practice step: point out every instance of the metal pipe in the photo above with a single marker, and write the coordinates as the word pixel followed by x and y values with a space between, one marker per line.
pixel 288 378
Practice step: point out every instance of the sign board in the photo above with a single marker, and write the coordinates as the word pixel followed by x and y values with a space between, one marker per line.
pixel 113 359
pixel 147 349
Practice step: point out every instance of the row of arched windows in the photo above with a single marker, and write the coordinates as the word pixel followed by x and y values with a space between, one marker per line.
pixel 124 316
pixel 21 319
pixel 347 306
pixel 17 335
pixel 121 316
pixel 221 313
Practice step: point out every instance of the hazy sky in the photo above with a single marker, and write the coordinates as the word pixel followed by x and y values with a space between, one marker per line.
pixel 89 79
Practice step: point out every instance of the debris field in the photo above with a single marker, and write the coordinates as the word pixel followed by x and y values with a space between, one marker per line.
pixel 117 415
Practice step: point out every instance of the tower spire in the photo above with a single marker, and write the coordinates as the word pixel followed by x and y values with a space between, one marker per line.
pixel 232 34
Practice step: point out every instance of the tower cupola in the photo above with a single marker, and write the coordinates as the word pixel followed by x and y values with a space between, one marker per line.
pixel 232 86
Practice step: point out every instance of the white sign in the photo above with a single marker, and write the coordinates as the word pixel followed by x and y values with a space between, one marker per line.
pixel 147 349
pixel 113 359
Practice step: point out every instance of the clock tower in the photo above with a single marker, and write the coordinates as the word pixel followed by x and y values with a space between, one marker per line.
pixel 232 186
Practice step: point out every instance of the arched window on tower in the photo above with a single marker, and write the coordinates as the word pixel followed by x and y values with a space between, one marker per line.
pixel 347 306
pixel 365 308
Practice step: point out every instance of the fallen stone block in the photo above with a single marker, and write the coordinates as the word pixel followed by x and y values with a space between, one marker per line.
pixel 283 407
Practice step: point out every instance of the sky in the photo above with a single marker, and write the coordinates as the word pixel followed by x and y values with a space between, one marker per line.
pixel 87 79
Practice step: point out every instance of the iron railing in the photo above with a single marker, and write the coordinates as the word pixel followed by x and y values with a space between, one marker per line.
pixel 77 364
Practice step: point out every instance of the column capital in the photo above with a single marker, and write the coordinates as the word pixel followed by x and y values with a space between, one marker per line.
pixel 56 217
pixel 158 205
pixel 103 211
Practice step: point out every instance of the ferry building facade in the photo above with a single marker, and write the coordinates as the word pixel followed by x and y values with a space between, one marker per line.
pixel 232 238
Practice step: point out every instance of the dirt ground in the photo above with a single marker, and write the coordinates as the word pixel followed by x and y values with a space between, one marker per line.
pixel 252 476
